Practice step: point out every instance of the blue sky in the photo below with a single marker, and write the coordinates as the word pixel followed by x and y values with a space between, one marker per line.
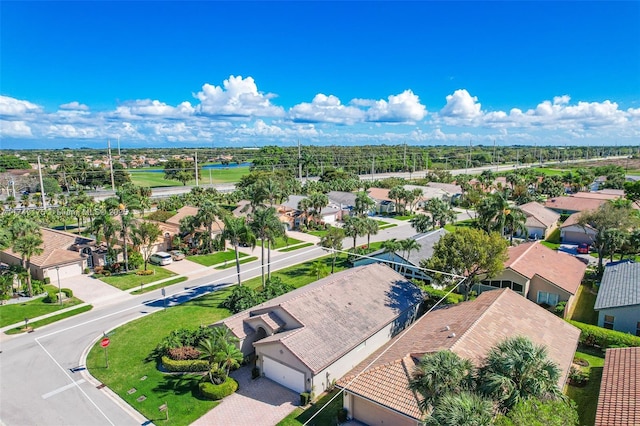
pixel 254 73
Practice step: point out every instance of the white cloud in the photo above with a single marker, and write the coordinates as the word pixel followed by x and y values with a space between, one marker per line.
pixel 14 129
pixel 74 106
pixel 238 97
pixel 405 107
pixel 326 109
pixel 461 105
pixel 146 107
pixel 72 132
pixel 12 107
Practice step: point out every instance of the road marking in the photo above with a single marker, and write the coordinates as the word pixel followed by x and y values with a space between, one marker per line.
pixel 62 389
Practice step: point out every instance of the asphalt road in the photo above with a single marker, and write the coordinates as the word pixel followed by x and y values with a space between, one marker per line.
pixel 42 376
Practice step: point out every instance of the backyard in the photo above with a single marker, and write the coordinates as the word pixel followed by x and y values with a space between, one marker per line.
pixel 586 397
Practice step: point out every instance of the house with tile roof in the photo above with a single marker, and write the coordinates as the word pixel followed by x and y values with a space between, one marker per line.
pixel 408 264
pixel 541 221
pixel 618 301
pixel 540 274
pixel 573 233
pixel 63 253
pixel 570 205
pixel 384 204
pixel 377 390
pixel 619 398
pixel 313 335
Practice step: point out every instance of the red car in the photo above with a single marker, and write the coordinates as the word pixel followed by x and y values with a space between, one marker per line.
pixel 583 248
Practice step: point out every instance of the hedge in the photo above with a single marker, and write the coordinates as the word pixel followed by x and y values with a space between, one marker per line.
pixel 595 336
pixel 67 292
pixel 451 299
pixel 184 366
pixel 215 392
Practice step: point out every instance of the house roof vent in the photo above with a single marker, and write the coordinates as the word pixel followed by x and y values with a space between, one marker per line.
pixel 451 335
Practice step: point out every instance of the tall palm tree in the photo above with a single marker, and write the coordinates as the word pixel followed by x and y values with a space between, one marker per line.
pixel 517 369
pixel 208 213
pixel 441 212
pixel 237 232
pixel 371 227
pixel 318 269
pixel 28 246
pixel 495 213
pixel 515 222
pixel 266 227
pixel 105 227
pixel 333 240
pixel 392 246
pixel 354 227
pixel 422 223
pixel 363 204
pixel 408 245
pixel 438 374
pixel 318 201
pixel 229 356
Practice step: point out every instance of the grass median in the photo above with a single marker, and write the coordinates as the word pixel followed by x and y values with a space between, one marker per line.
pixel 37 324
pixel 161 285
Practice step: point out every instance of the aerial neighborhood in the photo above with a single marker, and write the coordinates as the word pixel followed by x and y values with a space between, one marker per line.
pixel 469 290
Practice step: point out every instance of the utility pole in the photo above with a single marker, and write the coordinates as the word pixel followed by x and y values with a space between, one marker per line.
pixel 196 158
pixel 494 154
pixel 118 146
pixel 113 182
pixel 299 161
pixel 44 203
pixel 373 166
pixel 426 163
pixel 404 160
pixel 13 188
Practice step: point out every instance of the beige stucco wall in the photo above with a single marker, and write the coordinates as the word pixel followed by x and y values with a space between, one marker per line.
pixel 540 284
pixel 370 413
pixel 508 275
pixel 278 352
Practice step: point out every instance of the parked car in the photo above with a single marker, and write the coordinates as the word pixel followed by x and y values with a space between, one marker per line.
pixel 161 258
pixel 176 255
pixel 583 248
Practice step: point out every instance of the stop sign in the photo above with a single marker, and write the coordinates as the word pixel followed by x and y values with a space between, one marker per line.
pixel 105 342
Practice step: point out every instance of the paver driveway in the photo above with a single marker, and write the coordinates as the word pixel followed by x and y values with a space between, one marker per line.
pixel 259 402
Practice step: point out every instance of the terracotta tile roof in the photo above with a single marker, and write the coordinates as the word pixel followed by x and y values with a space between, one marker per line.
pixel 596 195
pixel 574 204
pixel 540 213
pixel 619 399
pixel 335 314
pixel 561 269
pixel 469 329
pixel 56 248
pixel 182 212
pixel 379 194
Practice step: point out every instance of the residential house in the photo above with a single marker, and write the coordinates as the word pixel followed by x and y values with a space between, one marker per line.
pixel 573 233
pixel 384 204
pixel 540 274
pixel 619 398
pixel 377 391
pixel 346 200
pixel 313 335
pixel 541 221
pixel 63 253
pixel 618 301
pixel 449 188
pixel 569 205
pixel 408 265
pixel 429 193
pixel 329 214
pixel 599 195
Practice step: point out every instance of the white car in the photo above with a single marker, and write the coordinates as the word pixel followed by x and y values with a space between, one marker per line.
pixel 160 258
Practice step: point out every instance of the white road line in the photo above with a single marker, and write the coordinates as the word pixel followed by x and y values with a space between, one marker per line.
pixel 62 389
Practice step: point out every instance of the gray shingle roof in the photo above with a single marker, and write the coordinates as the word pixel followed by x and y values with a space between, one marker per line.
pixel 620 286
pixel 344 198
pixel 426 240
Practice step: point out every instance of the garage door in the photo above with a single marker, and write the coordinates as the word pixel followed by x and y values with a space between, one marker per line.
pixel 65 272
pixel 280 373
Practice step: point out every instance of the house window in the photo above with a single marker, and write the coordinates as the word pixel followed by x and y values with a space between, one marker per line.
pixel 550 299
pixel 518 287
pixel 608 321
pixel 506 284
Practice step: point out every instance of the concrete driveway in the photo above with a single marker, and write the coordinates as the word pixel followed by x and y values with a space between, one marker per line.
pixel 185 267
pixel 92 290
pixel 257 402
pixel 572 249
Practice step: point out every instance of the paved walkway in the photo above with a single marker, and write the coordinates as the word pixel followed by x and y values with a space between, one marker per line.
pixel 259 402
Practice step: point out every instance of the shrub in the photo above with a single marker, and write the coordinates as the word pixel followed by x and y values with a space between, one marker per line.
pixel 51 297
pixel 599 337
pixel 47 280
pixel 183 353
pixel 342 415
pixel 186 366
pixel 215 392
pixel 433 295
pixel 578 377
pixel 106 273
pixel 304 398
pixel 98 269
pixel 161 215
pixel 255 372
pixel 67 292
pixel 241 298
pixel 86 271
pixel 135 260
pixel 145 272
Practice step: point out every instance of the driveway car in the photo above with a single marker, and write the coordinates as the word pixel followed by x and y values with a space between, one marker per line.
pixel 583 248
pixel 160 258
pixel 177 255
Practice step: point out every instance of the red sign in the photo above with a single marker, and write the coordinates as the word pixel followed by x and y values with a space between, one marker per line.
pixel 105 342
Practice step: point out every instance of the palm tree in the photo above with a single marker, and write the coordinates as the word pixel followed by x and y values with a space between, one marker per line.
pixel 408 245
pixel 106 227
pixel 318 201
pixel 209 350
pixel 494 212
pixel 392 246
pixel 318 268
pixel 207 216
pixel 266 227
pixel 438 374
pixel 333 240
pixel 441 212
pixel 363 204
pixel 515 221
pixel 353 227
pixel 28 246
pixel 229 356
pixel 464 408
pixel 237 232
pixel 422 223
pixel 371 227
pixel 517 369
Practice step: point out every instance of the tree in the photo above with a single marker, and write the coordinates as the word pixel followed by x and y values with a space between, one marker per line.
pixel 333 241
pixel 614 240
pixel 229 356
pixel 180 170
pixel 28 246
pixel 354 227
pixel 398 193
pixel 105 228
pixel 207 216
pixel 237 232
pixel 266 227
pixel 318 269
pixel 515 370
pixel 422 223
pixel 438 374
pixel 144 235
pixel 495 214
pixel 371 227
pixel 441 212
pixel 408 245
pixel 469 252
pixel 632 191
pixel 534 412
pixel 318 201
pixel 363 204
pixel 464 408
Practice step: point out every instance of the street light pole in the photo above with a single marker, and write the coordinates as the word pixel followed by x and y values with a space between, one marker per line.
pixel 59 288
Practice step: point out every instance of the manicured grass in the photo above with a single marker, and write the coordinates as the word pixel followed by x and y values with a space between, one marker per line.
pixel 233 263
pixel 585 301
pixel 157 286
pixel 552 246
pixel 318 234
pixel 17 312
pixel 295 247
pixel 467 223
pixel 587 397
pixel 155 179
pixel 50 320
pixel 152 179
pixel 387 225
pixel 328 415
pixel 547 171
pixel 215 258
pixel 131 280
pixel 280 243
pixel 404 217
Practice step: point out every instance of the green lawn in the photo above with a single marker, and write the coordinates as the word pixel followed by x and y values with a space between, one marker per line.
pixel 161 285
pixel 467 223
pixel 585 301
pixel 37 324
pixel 547 171
pixel 280 243
pixel 155 179
pixel 328 416
pixel 215 258
pixel 295 247
pixel 17 312
pixel 386 225
pixel 552 246
pixel 131 280
pixel 587 397
pixel 318 234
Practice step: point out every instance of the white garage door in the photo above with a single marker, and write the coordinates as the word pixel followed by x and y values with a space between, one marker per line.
pixel 286 376
pixel 65 272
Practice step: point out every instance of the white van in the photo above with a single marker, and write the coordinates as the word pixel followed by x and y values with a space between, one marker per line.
pixel 160 258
